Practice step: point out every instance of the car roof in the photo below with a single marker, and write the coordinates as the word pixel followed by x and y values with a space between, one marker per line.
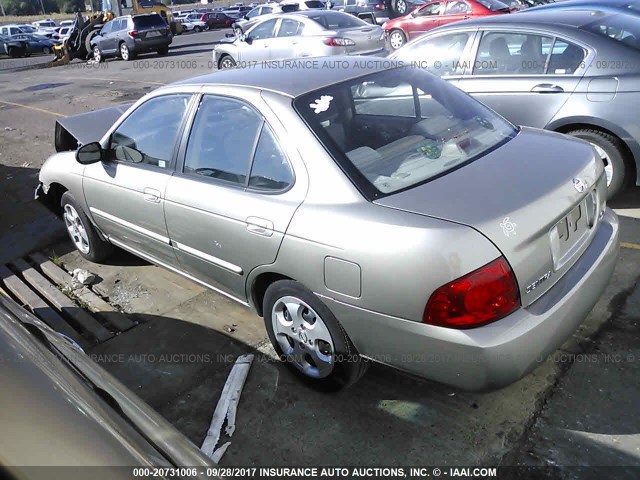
pixel 268 75
pixel 543 18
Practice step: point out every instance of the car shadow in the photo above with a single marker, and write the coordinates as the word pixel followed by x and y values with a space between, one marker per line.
pixel 387 418
pixel 629 198
pixel 26 224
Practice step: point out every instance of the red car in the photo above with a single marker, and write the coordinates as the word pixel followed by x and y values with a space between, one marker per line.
pixel 436 13
pixel 217 20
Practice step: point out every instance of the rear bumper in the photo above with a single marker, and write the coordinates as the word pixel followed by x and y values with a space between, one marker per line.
pixel 146 45
pixel 497 354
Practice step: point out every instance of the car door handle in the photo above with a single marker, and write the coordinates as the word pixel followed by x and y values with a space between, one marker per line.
pixel 547 88
pixel 260 226
pixel 151 195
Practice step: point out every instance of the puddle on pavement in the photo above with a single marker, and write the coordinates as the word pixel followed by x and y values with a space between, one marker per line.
pixel 45 86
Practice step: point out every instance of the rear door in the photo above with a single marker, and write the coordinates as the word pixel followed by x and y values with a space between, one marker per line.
pixel 150 28
pixel 104 40
pixel 230 204
pixel 425 19
pixel 456 10
pixel 525 76
pixel 256 48
pixel 287 42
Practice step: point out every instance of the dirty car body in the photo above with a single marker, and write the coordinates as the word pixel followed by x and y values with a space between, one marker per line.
pixel 363 212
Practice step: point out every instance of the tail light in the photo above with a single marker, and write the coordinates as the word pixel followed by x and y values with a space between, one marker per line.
pixel 480 297
pixel 168 29
pixel 338 42
pixel 133 33
pixel 379 6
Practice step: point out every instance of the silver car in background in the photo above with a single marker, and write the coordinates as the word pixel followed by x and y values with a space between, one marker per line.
pixel 363 210
pixel 574 72
pixel 312 33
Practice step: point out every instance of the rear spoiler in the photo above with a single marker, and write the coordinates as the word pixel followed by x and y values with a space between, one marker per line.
pixel 77 130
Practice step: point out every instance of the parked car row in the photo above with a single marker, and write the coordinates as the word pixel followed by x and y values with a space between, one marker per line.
pixel 560 67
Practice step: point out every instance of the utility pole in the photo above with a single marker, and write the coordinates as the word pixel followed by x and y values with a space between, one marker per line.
pixel 42 6
pixel 2 8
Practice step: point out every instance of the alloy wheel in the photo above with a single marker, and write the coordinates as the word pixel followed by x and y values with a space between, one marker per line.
pixel 608 165
pixel 76 229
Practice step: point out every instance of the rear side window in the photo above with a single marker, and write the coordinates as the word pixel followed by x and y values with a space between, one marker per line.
pixel 337 20
pixel 222 140
pixel 270 170
pixel 290 28
pixel 511 53
pixel 149 21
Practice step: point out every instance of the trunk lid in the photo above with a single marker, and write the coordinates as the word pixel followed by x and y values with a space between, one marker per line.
pixel 367 38
pixel 538 198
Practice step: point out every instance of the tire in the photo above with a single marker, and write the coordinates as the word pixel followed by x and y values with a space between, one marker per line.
pixel 97 54
pixel 125 53
pixel 46 50
pixel 398 8
pixel 13 52
pixel 226 62
pixel 611 150
pixel 197 29
pixel 82 232
pixel 309 339
pixel 397 39
pixel 163 51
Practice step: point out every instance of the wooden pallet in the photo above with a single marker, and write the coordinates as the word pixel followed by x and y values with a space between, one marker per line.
pixel 48 292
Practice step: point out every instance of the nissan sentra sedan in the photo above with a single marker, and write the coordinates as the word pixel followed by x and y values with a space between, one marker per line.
pixel 367 212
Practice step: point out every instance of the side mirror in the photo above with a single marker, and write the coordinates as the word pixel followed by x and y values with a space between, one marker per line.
pixel 89 153
pixel 246 38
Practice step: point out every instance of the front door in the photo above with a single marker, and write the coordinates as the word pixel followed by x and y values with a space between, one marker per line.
pixel 126 193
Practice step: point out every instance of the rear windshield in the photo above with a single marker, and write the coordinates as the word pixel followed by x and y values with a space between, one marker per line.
pixel 337 20
pixel 314 4
pixel 398 128
pixel 623 28
pixel 149 21
pixel 493 5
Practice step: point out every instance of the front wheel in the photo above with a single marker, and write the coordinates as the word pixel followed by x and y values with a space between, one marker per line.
pixel 82 233
pixel 163 51
pixel 306 335
pixel 397 39
pixel 197 29
pixel 226 63
pixel 97 54
pixel 610 150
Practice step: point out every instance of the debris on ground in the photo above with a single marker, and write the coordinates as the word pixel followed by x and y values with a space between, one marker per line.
pixel 82 277
pixel 226 409
pixel 231 328
pixel 8 129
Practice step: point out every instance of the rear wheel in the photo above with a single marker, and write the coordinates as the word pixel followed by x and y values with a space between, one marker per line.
pixel 197 29
pixel 226 62
pixel 307 336
pixel 14 52
pixel 82 233
pixel 398 8
pixel 610 150
pixel 46 50
pixel 125 53
pixel 397 39
pixel 163 51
